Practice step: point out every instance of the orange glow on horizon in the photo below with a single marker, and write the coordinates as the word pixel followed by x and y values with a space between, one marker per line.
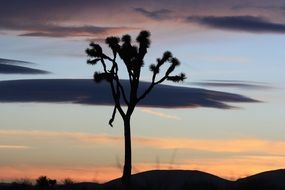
pixel 232 169
pixel 78 174
pixel 227 158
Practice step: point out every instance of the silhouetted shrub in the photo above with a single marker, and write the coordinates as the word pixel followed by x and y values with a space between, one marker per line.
pixel 51 182
pixel 23 184
pixel 68 181
pixel 44 182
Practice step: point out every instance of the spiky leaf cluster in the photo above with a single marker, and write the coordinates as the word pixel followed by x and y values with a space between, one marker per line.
pixel 98 77
pixel 154 68
pixel 167 57
pixel 94 51
pixel 128 52
pixel 174 63
pixel 113 43
pixel 177 78
pixel 143 39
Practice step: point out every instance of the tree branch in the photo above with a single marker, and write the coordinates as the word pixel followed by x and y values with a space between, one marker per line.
pixel 104 65
pixel 116 98
pixel 122 90
pixel 148 89
pixel 115 72
pixel 153 83
pixel 113 116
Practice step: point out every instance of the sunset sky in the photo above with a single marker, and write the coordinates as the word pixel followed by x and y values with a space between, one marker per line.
pixel 229 46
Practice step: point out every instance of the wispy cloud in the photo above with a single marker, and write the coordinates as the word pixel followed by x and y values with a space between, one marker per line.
pixel 12 147
pixel 160 114
pixel 239 23
pixel 268 7
pixel 75 31
pixel 84 137
pixel 56 30
pixel 232 84
pixel 160 14
pixel 247 146
pixel 228 59
pixel 244 146
pixel 14 62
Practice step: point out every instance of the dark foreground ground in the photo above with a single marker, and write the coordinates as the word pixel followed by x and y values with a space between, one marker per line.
pixel 173 180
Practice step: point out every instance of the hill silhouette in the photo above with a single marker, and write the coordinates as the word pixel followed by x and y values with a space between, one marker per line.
pixel 270 180
pixel 175 180
pixel 198 180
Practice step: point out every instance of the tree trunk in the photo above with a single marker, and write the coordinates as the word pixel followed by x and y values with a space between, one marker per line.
pixel 128 152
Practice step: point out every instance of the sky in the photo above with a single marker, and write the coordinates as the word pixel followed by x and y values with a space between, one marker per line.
pixel 227 118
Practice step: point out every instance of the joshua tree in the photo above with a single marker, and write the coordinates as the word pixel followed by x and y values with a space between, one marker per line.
pixel 133 58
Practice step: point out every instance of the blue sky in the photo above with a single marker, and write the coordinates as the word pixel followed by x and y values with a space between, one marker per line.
pixel 223 42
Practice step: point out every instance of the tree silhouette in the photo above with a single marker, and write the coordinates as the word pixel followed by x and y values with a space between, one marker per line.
pixel 133 58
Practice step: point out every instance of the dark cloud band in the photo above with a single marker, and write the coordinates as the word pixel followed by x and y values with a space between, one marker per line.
pixel 8 66
pixel 31 18
pixel 239 23
pixel 35 20
pixel 84 91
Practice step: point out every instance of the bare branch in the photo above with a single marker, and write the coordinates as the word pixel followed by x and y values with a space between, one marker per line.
pixel 148 89
pixel 167 56
pixel 128 69
pixel 123 91
pixel 116 97
pixel 93 61
pixel 116 93
pixel 104 65
pixel 115 70
pixel 146 92
pixel 113 116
